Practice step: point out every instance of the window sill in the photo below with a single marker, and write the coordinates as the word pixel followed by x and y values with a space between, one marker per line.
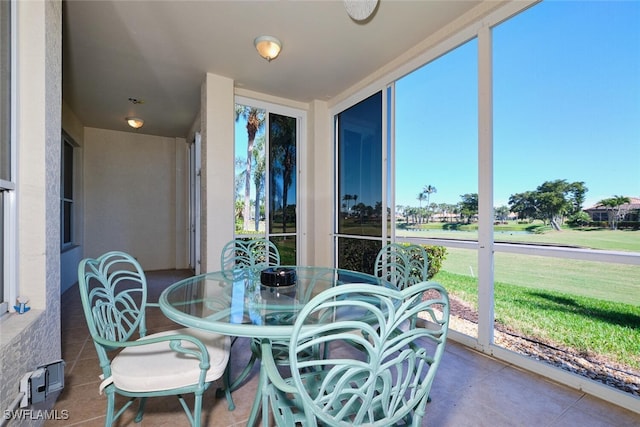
pixel 68 247
pixel 13 324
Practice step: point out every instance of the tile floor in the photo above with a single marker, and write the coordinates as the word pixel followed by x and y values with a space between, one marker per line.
pixel 470 389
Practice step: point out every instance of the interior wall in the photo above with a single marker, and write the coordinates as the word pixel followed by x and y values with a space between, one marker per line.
pixel 321 186
pixel 130 197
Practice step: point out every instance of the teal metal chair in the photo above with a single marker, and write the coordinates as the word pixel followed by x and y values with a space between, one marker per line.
pixel 376 372
pixel 113 289
pixel 255 253
pixel 402 264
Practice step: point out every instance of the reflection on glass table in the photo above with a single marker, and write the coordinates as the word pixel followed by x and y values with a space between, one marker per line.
pixel 237 303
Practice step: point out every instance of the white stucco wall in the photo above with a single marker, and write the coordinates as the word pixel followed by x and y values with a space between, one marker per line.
pixel 218 173
pixel 130 189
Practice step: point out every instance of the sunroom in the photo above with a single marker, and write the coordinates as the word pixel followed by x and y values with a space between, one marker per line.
pixel 439 140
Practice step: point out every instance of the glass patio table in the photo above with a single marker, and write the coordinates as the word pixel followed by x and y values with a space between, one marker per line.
pixel 255 302
pixel 237 303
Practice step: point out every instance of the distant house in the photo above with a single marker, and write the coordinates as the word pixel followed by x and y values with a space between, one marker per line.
pixel 630 211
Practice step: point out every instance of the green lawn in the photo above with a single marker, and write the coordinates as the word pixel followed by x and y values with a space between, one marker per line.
pixel 592 307
pixel 606 281
pixel 589 325
pixel 620 240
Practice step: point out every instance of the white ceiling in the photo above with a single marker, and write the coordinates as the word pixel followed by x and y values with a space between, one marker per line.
pixel 159 52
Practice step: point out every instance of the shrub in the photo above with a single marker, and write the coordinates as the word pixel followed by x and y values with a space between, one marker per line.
pixel 360 255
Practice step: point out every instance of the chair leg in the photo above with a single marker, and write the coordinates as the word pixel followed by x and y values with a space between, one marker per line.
pixel 140 414
pixel 227 393
pixel 197 410
pixel 229 385
pixel 111 401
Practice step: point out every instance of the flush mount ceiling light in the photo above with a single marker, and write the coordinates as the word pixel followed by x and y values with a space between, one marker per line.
pixel 268 47
pixel 135 122
pixel 359 10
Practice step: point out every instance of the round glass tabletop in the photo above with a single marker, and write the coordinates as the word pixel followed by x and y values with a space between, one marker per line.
pixel 260 303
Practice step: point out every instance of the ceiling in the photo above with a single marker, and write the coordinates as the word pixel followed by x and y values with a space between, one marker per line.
pixel 158 52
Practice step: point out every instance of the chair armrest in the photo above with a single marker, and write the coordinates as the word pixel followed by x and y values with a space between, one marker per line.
pixel 271 369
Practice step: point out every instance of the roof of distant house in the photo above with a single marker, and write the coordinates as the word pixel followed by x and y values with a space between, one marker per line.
pixel 634 204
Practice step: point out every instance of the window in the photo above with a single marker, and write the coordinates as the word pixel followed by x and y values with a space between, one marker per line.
pixel 266 184
pixel 66 193
pixel 6 173
pixel 436 147
pixel 566 104
pixel 530 119
pixel 359 194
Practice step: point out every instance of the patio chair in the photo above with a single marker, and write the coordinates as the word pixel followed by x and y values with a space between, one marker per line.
pixel 383 380
pixel 249 253
pixel 113 289
pixel 403 265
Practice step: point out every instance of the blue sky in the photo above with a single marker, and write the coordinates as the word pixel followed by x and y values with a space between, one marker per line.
pixel 566 106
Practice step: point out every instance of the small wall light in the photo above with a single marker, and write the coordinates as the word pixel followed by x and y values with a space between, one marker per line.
pixel 135 122
pixel 268 47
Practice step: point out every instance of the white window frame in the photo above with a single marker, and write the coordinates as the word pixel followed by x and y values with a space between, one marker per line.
pixel 302 167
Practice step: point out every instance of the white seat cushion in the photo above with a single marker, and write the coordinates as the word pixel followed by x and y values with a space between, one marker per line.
pixel 156 367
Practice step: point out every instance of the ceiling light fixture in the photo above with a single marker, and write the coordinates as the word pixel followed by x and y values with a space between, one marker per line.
pixel 135 122
pixel 360 10
pixel 268 47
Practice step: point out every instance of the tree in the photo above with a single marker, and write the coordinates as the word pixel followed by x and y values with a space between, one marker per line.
pixel 346 198
pixel 283 157
pixel 469 205
pixel 550 202
pixel 259 174
pixel 502 213
pixel 523 204
pixel 421 197
pixel 577 191
pixel 428 190
pixel 614 209
pixel 255 121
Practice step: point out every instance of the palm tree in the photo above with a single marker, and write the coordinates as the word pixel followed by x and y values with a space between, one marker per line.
pixel 282 140
pixel 614 206
pixel 428 190
pixel 346 198
pixel 258 178
pixel 421 197
pixel 255 121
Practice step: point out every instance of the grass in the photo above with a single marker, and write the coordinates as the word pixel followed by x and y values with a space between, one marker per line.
pixel 618 240
pixel 592 307
pixel 589 325
pixel 606 281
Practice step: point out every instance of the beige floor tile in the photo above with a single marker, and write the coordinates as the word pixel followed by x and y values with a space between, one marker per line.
pixel 470 389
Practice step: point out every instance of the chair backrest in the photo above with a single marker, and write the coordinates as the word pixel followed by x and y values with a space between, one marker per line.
pixel 402 264
pixel 418 263
pixel 113 290
pixel 378 371
pixel 249 253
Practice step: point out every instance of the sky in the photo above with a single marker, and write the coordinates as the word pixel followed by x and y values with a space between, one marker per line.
pixel 566 105
pixel 566 97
